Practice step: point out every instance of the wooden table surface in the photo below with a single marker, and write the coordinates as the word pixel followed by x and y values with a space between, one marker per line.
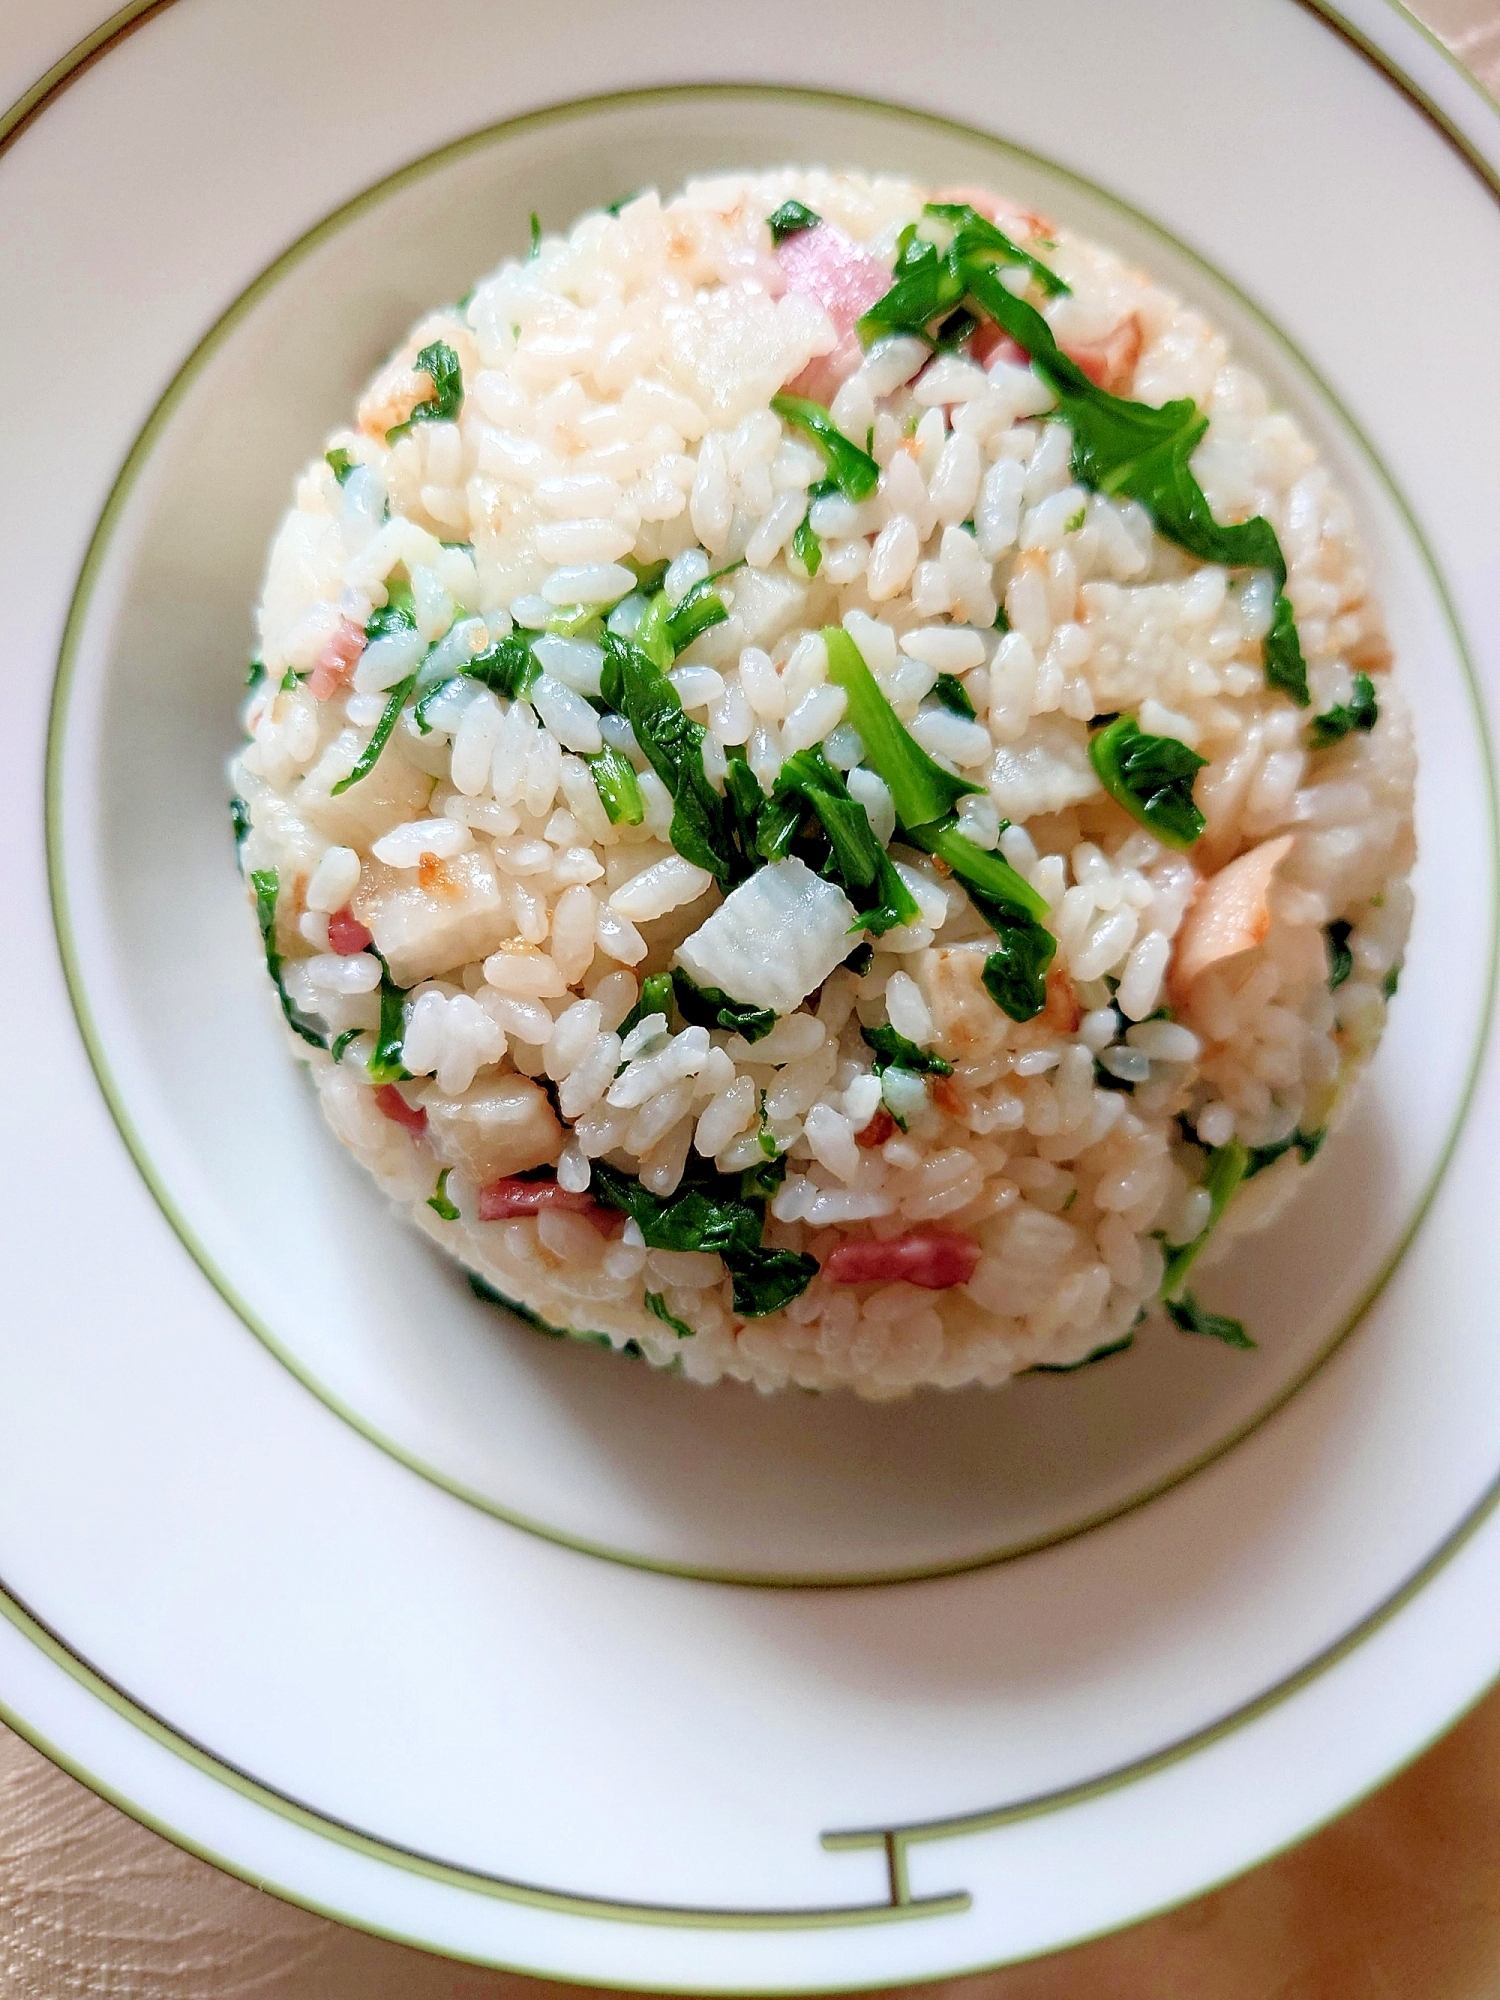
pixel 1398 1900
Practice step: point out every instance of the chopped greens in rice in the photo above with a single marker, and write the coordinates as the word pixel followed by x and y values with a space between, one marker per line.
pixel 824 798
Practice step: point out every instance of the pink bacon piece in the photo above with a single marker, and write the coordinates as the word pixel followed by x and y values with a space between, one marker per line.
pixel 346 934
pixel 396 1108
pixel 936 1259
pixel 825 264
pixel 337 661
pixel 510 1196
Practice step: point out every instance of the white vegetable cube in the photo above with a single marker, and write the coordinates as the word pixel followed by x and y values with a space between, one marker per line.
pixel 774 939
pixel 394 790
pixel 501 1126
pixel 443 914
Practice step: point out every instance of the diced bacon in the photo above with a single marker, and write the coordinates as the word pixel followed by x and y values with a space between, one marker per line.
pixel 512 1196
pixel 1110 363
pixel 396 1108
pixel 936 1259
pixel 337 661
pixel 1062 1009
pixel 992 343
pixel 846 280
pixel 1231 913
pixel 346 934
pixel 879 1129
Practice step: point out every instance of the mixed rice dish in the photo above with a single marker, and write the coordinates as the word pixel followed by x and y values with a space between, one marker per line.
pixel 823 794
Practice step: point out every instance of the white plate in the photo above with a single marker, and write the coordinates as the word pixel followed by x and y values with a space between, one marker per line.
pixel 366 1649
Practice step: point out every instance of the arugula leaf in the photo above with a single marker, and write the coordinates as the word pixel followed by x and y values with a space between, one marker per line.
pixel 857 857
pixel 341 1042
pixel 1072 1367
pixel 1151 777
pixel 509 667
pixel 974 235
pixel 621 201
pixel 806 546
pixel 952 693
pixel 855 471
pixel 440 364
pixel 655 998
pixel 339 463
pixel 860 960
pixel 397 614
pixel 289 681
pixel 655 1303
pixel 1227 1167
pixel 1192 1318
pixel 370 755
pixel 255 673
pixel 983 872
pixel 239 819
pixel 699 609
pixel 536 237
pixel 1340 957
pixel 635 687
pixel 759 1183
pixel 789 219
pixel 927 284
pixel 920 788
pixel 1143 451
pixel 384 1064
pixel 708 1007
pixel 438 1199
pixel 618 787
pixel 893 1050
pixel 266 886
pixel 648 576
pixel 708 1213
pixel 1391 981
pixel 1361 711
pixel 1306 1143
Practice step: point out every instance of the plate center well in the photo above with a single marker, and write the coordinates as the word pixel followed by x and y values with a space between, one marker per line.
pixel 582 1446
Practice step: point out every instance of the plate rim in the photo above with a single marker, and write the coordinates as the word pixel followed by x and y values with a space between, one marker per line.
pixel 10 127
pixel 96 555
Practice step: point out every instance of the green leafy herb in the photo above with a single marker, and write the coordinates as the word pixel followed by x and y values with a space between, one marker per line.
pixel 618 787
pixel 708 1007
pixel 759 1183
pixel 894 1051
pixel 1002 623
pixel 856 859
pixel 855 471
pixel 385 1065
pixel 239 819
pixel 860 960
pixel 655 1303
pixel 440 364
pixel 920 788
pixel 1075 520
pixel 620 201
pixel 1192 1318
pixel 438 1200
pixel 536 235
pixel 927 285
pixel 1391 981
pixel 634 686
pixel 1306 1143
pixel 1072 1367
pixel 341 1042
pixel 289 681
pixel 397 614
pixel 1360 711
pixel 509 667
pixel 700 608
pixel 806 547
pixel 1143 451
pixel 266 887
pixel 951 692
pixel 708 1213
pixel 1340 957
pixel 648 576
pixel 791 217
pixel 1227 1167
pixel 369 757
pixel 655 998
pixel 975 236
pixel 340 464
pixel 1151 776
pixel 255 673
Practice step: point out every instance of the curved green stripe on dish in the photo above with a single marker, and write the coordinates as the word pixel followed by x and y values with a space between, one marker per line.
pixel 68 68
pixel 136 459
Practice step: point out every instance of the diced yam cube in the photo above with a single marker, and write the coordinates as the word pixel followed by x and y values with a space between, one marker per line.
pixel 499 1126
pixel 395 790
pixel 774 939
pixel 443 914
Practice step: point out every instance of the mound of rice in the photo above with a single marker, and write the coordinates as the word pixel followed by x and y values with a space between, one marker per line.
pixel 847 892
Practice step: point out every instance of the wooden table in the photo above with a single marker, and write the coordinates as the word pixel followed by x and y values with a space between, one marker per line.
pixel 1398 1900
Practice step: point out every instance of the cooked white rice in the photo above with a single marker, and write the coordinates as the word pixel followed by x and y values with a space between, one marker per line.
pixel 616 411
